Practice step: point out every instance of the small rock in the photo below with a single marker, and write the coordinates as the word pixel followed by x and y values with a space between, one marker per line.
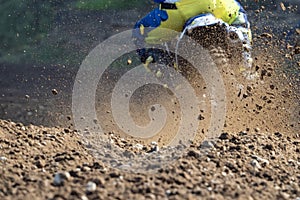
pixel 154 143
pixel 40 163
pixel 291 161
pixel 255 164
pixel 269 147
pixel 44 143
pixel 150 196
pixel 249 88
pixel 114 175
pixel 242 133
pixel 154 147
pixel 86 169
pixel 200 117
pixel 128 154
pixel 91 186
pixel 296 142
pixel 224 174
pixel 83 197
pixel 257 129
pixel 3 159
pixel 265 162
pixel 284 195
pixel 207 144
pixel 277 134
pixel 168 192
pixel 60 177
pixel 276 187
pixel 224 136
pixel 193 153
pixel 138 146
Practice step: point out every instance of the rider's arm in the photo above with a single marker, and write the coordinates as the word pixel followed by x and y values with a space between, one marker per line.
pixel 141 29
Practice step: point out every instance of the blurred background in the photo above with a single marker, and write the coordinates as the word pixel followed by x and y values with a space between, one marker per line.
pixel 61 32
pixel 43 42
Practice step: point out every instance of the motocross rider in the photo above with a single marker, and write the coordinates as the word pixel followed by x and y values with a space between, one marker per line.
pixel 172 14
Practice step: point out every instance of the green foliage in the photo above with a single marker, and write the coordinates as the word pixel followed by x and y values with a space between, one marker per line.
pixel 108 4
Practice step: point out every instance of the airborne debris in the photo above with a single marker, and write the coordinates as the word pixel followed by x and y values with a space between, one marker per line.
pixel 267 35
pixel 54 92
pixel 282 6
pixel 159 74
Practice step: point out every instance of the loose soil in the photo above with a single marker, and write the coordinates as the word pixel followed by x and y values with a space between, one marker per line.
pixel 255 156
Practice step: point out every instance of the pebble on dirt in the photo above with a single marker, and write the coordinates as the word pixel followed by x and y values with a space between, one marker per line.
pixel 207 144
pixel 3 159
pixel 60 177
pixel 255 164
pixel 91 186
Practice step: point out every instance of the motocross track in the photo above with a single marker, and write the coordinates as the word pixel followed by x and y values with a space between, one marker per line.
pixel 256 156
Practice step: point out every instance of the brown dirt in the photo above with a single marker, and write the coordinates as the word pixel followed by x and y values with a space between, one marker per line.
pixel 256 156
pixel 240 166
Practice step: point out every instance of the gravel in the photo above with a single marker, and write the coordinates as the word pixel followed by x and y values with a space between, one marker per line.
pixel 245 168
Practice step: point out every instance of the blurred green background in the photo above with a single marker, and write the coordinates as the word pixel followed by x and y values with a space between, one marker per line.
pixel 43 31
pixel 26 24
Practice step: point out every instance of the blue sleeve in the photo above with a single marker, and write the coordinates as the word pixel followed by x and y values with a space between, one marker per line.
pixel 159 1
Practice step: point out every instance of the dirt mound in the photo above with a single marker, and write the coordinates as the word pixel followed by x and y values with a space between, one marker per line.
pixel 36 163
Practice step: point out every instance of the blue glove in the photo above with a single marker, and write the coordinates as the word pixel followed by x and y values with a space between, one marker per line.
pixel 153 19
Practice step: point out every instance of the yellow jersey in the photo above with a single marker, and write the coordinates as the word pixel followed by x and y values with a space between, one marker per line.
pixel 227 10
